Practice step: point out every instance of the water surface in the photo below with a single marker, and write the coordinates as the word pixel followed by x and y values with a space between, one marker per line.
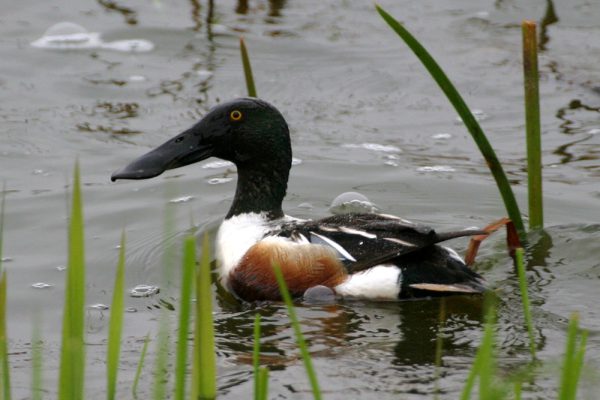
pixel 364 117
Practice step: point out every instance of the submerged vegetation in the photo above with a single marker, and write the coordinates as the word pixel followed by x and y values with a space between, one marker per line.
pixel 196 280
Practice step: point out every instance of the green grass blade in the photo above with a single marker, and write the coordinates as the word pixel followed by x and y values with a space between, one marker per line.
pixel 115 326
pixel 525 299
pixel 72 359
pixel 206 375
pixel 4 365
pixel 2 221
pixel 312 377
pixel 261 375
pixel 256 356
pixel 187 279
pixel 487 362
pixel 532 119
pixel 573 361
pixel 247 69
pixel 140 366
pixel 470 382
pixel 578 363
pixel 161 361
pixel 36 359
pixel 517 390
pixel 263 380
pixel 512 208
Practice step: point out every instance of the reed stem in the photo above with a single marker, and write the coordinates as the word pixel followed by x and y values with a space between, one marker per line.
pixel 525 299
pixel 532 119
pixel 247 69
pixel 285 294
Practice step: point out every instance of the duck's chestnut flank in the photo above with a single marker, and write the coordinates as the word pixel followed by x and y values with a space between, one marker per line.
pixel 371 256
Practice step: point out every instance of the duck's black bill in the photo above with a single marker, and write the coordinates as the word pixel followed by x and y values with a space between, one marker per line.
pixel 182 150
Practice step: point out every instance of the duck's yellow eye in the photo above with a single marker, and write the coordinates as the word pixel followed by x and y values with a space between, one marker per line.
pixel 235 115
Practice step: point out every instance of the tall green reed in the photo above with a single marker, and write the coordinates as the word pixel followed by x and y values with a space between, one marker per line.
pixel 484 366
pixel 525 299
pixel 187 283
pixel 287 298
pixel 72 359
pixel 115 327
pixel 573 360
pixel 532 119
pixel 140 366
pixel 36 359
pixel 247 69
pixel 4 364
pixel 2 200
pixel 204 371
pixel 469 120
pixel 261 374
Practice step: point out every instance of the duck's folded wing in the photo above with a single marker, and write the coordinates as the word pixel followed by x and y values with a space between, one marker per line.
pixel 365 240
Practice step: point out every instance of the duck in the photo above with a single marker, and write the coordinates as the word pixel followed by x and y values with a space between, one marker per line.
pixel 367 256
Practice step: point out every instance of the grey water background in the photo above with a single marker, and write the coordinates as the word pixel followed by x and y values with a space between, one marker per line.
pixel 364 117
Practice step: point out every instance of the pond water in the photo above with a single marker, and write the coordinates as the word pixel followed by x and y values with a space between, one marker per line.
pixel 364 117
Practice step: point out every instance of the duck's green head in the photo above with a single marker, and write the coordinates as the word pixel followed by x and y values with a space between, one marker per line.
pixel 248 132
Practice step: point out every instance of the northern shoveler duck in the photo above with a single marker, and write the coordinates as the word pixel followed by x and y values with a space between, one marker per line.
pixel 368 256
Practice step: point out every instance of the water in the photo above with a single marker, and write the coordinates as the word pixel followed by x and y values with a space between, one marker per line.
pixel 364 118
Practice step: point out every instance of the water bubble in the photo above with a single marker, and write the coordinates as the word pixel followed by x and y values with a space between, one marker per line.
pixel 204 74
pixel 374 147
pixel 71 36
pixel 217 181
pixel 442 136
pixel 308 206
pixel 594 131
pixel 218 164
pixel 350 202
pixel 129 45
pixel 67 35
pixel 391 163
pixel 296 161
pixel 99 307
pixel 478 114
pixel 436 168
pixel 144 291
pixel 131 309
pixel 6 259
pixel 137 78
pixel 61 268
pixel 182 199
pixel 41 285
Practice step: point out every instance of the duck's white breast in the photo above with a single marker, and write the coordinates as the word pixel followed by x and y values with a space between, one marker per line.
pixel 235 236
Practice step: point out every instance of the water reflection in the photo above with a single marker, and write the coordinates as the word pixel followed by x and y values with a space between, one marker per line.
pixel 406 331
pixel 548 19
pixel 275 7
pixel 112 6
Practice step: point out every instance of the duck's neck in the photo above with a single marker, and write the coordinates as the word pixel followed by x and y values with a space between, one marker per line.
pixel 261 188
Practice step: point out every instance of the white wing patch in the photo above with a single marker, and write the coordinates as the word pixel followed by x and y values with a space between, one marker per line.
pixel 351 231
pixel 381 282
pixel 328 242
pixel 402 242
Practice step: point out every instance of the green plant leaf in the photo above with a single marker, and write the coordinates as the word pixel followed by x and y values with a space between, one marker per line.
pixel 512 208
pixel 205 371
pixel 247 69
pixel 285 294
pixel 115 327
pixel 187 279
pixel 72 359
